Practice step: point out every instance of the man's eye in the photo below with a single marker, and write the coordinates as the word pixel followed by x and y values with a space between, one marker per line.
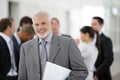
pixel 36 24
pixel 43 23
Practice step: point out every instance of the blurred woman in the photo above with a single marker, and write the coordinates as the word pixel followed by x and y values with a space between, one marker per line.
pixel 88 49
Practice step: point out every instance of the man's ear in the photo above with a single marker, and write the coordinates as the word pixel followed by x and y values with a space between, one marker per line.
pixel 101 25
pixel 8 27
pixel 24 34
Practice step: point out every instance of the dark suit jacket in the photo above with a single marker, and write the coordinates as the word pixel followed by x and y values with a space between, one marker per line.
pixel 63 52
pixel 105 58
pixel 5 61
pixel 16 51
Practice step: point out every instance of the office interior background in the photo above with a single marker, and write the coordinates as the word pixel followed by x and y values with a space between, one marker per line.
pixel 73 14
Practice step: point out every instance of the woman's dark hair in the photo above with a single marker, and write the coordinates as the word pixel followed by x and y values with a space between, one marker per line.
pixel 91 32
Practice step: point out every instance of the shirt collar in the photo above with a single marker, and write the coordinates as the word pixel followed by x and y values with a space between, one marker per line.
pixel 100 32
pixel 17 38
pixel 5 37
pixel 59 34
pixel 48 39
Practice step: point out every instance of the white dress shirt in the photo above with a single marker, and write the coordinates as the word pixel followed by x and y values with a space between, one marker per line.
pixel 48 39
pixel 17 38
pixel 89 53
pixel 95 36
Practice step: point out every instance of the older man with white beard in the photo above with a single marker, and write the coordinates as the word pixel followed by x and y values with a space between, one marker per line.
pixel 57 49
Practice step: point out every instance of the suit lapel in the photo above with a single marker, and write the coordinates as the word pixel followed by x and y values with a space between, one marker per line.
pixel 55 47
pixel 35 52
pixel 101 37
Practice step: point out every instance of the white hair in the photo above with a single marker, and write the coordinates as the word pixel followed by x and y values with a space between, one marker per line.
pixel 42 13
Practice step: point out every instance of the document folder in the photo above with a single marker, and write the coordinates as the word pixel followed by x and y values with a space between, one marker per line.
pixel 55 72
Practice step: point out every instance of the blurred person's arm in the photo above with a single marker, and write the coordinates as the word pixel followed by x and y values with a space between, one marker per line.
pixel 77 41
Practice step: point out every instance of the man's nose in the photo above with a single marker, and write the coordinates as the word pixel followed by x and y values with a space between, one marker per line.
pixel 40 26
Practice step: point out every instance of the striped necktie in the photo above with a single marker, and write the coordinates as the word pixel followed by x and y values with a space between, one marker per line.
pixel 43 54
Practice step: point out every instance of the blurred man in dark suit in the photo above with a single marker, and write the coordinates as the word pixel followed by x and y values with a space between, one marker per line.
pixel 8 70
pixel 105 56
pixel 24 34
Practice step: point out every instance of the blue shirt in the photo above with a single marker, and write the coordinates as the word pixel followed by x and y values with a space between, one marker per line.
pixel 48 39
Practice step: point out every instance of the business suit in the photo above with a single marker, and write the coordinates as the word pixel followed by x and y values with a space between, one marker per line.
pixel 63 52
pixel 16 51
pixel 105 58
pixel 5 60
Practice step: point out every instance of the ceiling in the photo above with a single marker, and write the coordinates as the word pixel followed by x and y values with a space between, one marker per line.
pixel 68 4
pixel 63 4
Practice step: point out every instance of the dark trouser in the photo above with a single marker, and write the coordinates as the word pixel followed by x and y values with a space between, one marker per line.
pixel 11 78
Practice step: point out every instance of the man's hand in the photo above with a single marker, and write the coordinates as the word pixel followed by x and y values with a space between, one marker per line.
pixel 96 78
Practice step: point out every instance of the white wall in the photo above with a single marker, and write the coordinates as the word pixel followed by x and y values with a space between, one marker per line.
pixel 26 9
pixel 113 28
pixel 3 8
pixel 82 17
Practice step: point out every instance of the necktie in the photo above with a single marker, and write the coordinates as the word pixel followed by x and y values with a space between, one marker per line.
pixel 12 56
pixel 43 54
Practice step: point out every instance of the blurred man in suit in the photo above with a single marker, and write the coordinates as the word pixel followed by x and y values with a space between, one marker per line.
pixel 56 26
pixel 105 56
pixel 59 50
pixel 7 58
pixel 24 34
